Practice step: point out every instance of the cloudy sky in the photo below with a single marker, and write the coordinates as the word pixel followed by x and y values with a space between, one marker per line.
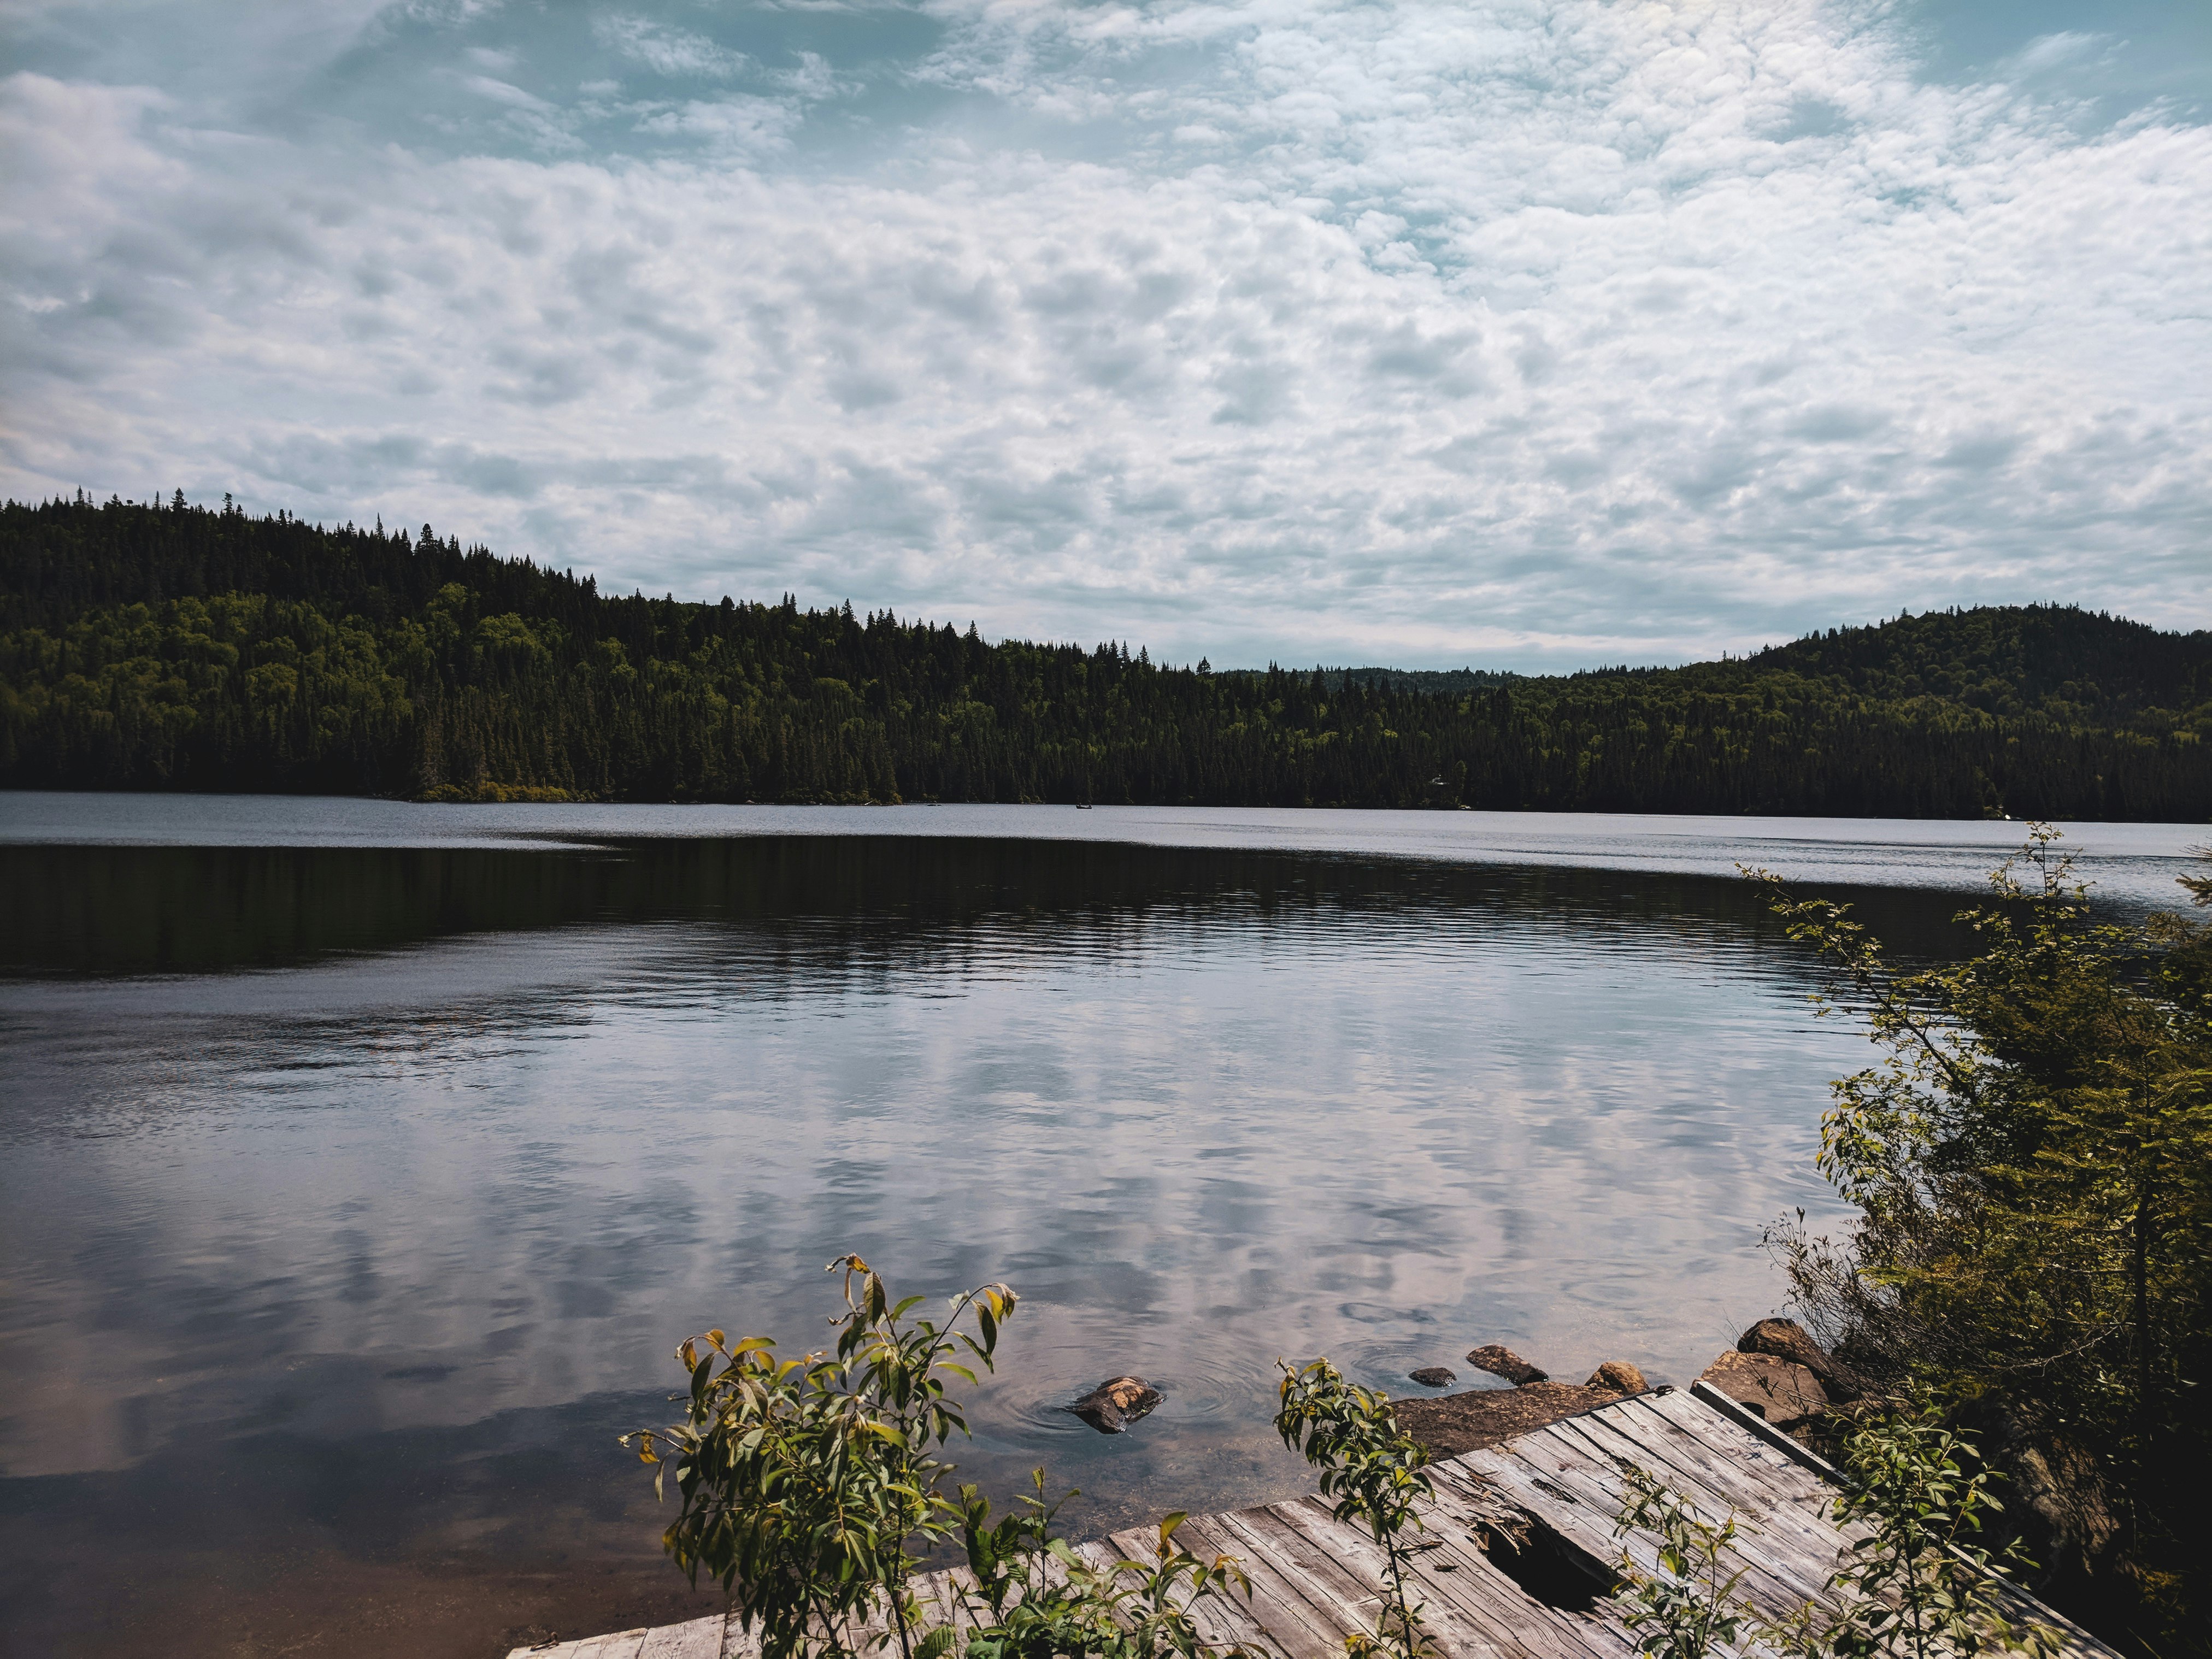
pixel 1518 332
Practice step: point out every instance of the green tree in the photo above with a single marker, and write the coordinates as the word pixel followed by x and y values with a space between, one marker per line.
pixel 2031 1162
pixel 424 667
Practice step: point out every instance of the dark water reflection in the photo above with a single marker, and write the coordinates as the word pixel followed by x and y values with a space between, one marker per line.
pixel 354 1199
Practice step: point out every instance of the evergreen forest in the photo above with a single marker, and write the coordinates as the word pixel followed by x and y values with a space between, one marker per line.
pixel 178 647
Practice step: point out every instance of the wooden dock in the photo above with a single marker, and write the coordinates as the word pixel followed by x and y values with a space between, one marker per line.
pixel 1523 1544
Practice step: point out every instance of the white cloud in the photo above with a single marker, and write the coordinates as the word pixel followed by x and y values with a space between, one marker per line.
pixel 2047 52
pixel 1556 329
pixel 734 128
pixel 674 52
pixel 501 92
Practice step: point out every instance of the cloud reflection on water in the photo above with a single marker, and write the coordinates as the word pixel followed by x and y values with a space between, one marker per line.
pixel 365 1155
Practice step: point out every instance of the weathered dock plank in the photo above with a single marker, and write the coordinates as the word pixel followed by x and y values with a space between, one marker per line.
pixel 1365 1567
pixel 1295 1617
pixel 1315 1580
pixel 1781 1546
pixel 1301 1617
pixel 700 1638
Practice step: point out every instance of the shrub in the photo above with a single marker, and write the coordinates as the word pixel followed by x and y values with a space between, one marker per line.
pixel 805 1484
pixel 1920 1584
pixel 2032 1165
pixel 1372 1469
pixel 808 1487
pixel 1917 1584
pixel 1690 1606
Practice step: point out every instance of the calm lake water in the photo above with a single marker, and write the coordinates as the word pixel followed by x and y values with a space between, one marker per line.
pixel 361 1164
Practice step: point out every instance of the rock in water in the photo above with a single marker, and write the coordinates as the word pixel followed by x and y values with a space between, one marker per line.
pixel 1619 1375
pixel 1782 1391
pixel 1503 1362
pixel 1785 1339
pixel 1117 1402
pixel 1434 1376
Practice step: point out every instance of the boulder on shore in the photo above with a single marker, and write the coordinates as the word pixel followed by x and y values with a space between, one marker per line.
pixel 1785 1392
pixel 1501 1361
pixel 1434 1376
pixel 1785 1339
pixel 1115 1403
pixel 2057 1499
pixel 1620 1377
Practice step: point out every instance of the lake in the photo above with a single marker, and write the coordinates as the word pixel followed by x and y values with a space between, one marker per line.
pixel 362 1164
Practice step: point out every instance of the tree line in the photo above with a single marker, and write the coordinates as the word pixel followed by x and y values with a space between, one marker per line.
pixel 173 646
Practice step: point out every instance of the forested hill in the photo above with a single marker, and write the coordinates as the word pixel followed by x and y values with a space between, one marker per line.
pixel 181 647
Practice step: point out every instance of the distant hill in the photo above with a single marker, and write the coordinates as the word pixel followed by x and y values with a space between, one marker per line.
pixel 153 647
pixel 2073 664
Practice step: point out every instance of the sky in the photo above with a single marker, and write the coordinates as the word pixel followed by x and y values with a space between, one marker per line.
pixel 1535 334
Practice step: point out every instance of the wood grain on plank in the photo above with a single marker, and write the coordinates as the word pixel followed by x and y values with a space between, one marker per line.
pixel 1690 1416
pixel 1236 1617
pixel 1786 1545
pixel 1589 1530
pixel 1365 1561
pixel 1577 1497
pixel 1796 1505
pixel 1342 1599
pixel 1339 1605
pixel 1808 1547
pixel 1295 1616
pixel 1774 1582
pixel 1565 1514
pixel 700 1639
pixel 1744 1480
pixel 1483 1590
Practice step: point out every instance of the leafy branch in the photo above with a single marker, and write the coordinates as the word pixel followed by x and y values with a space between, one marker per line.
pixel 1917 1584
pixel 1689 1607
pixel 1373 1469
pixel 809 1489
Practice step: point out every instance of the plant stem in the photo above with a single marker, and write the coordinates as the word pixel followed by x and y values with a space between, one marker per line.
pixel 898 1612
pixel 2140 1270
